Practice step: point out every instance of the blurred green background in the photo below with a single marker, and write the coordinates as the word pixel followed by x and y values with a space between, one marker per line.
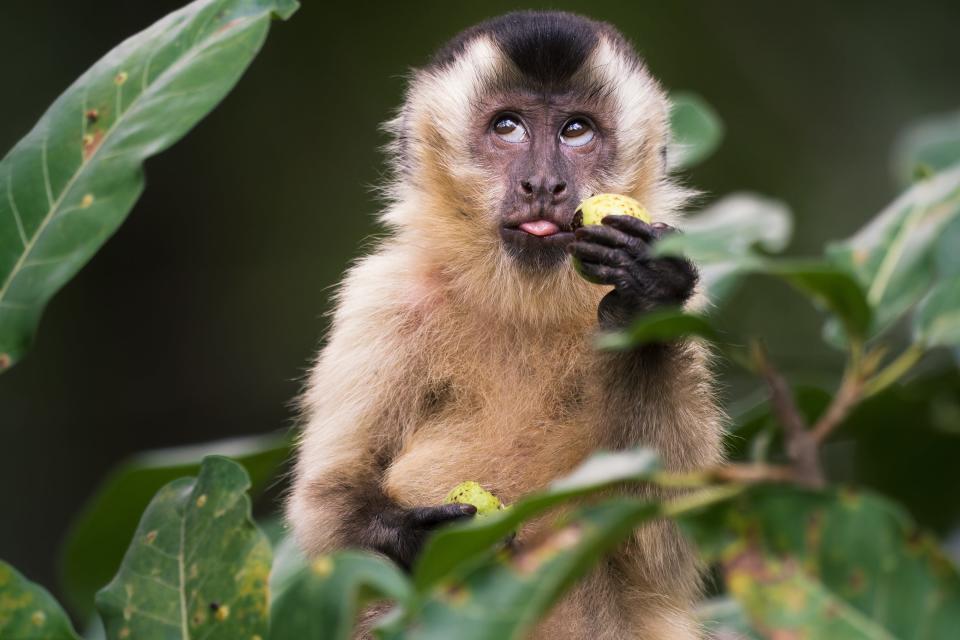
pixel 199 318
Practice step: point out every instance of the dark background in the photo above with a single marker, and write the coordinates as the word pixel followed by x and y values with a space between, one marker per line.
pixel 198 319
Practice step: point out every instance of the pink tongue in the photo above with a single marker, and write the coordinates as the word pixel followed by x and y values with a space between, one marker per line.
pixel 540 227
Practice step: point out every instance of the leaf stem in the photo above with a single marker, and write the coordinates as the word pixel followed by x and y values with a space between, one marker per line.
pixel 894 371
pixel 698 500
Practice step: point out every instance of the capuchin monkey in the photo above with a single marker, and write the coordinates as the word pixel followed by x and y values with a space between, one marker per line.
pixel 461 347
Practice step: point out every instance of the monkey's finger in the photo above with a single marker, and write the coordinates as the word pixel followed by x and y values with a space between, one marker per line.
pixel 433 516
pixel 601 273
pixel 590 252
pixel 632 226
pixel 606 235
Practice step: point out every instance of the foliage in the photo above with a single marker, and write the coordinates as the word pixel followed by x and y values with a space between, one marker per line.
pixel 27 610
pixel 798 556
pixel 93 549
pixel 67 186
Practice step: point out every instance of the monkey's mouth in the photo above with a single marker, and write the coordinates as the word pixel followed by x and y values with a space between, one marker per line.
pixel 539 232
pixel 536 243
pixel 540 228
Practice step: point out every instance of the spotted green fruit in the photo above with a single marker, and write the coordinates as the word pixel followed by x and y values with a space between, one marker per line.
pixel 471 492
pixel 596 208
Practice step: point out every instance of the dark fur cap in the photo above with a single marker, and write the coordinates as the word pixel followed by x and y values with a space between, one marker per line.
pixel 547 46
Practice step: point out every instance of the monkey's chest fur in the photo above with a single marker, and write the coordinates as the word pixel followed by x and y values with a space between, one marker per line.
pixel 509 413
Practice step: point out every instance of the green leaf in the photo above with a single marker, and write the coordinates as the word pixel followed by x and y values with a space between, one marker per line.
pixel 829 565
pixel 28 611
pixel 68 185
pixel 657 326
pixel 937 321
pixel 322 598
pixel 696 128
pixel 197 566
pixel 504 598
pixel 895 256
pixel 930 145
pixel 98 536
pixel 722 239
pixel 830 287
pixel 455 547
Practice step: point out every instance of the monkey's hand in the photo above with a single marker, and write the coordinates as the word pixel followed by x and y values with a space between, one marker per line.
pixel 618 253
pixel 399 533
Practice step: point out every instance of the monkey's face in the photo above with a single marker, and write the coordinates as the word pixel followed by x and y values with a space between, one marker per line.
pixel 543 151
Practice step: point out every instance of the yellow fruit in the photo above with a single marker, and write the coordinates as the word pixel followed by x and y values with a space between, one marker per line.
pixel 471 492
pixel 596 208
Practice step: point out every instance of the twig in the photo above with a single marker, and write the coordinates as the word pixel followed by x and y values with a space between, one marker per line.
pixel 756 472
pixel 849 395
pixel 801 446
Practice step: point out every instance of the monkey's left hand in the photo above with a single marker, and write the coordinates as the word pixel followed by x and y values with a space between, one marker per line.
pixel 618 253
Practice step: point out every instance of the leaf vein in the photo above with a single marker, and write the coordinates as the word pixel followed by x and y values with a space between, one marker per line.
pixel 16 211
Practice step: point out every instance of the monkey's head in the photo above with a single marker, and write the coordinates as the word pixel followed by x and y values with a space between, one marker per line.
pixel 511 125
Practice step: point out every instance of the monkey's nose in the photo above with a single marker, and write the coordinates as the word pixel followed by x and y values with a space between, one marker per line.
pixel 555 188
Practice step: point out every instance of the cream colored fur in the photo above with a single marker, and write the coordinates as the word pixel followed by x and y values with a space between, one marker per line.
pixel 446 363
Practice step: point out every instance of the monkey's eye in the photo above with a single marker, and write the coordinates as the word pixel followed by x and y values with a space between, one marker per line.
pixel 576 132
pixel 509 128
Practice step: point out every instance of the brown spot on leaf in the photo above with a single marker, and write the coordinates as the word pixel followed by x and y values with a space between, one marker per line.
pixel 202 500
pixel 455 594
pixel 4 361
pixel 91 142
pixel 150 537
pixel 214 606
pixel 856 581
pixel 92 115
pixel 223 612
pixel 38 618
pixel 86 201
pixel 124 632
pixel 120 78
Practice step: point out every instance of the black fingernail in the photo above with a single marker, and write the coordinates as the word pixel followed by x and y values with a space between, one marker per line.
pixel 660 225
pixel 468 509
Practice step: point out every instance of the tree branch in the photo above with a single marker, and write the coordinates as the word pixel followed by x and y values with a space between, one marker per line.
pixel 801 446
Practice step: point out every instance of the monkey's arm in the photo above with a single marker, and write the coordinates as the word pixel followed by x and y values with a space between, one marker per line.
pixel 366 391
pixel 659 396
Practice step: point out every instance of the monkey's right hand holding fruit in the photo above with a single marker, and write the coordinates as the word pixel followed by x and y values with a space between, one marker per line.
pixel 399 532
pixel 617 252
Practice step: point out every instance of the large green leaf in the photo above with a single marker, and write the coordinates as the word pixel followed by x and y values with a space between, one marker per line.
pixel 696 128
pixel 28 611
pixel 932 144
pixel 67 186
pixel 895 256
pixel 830 287
pixel 829 565
pixel 94 547
pixel 458 546
pixel 937 321
pixel 504 598
pixel 322 598
pixel 197 566
pixel 721 239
